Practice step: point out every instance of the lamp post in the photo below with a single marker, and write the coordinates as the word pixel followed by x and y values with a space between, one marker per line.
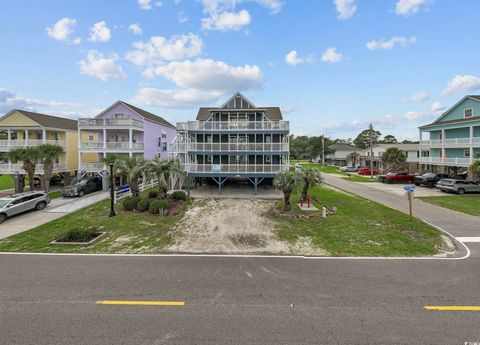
pixel 112 196
pixel 371 149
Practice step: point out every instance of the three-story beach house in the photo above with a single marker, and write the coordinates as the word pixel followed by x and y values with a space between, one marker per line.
pixel 237 139
pixel 453 140
pixel 123 129
pixel 21 128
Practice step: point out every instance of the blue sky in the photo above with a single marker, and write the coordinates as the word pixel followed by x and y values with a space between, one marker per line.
pixel 333 66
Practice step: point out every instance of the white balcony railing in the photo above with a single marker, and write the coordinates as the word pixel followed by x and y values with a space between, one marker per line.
pixel 233 125
pixel 110 123
pixel 446 161
pixel 120 146
pixel 92 167
pixel 451 142
pixel 11 168
pixel 228 147
pixel 11 144
pixel 234 168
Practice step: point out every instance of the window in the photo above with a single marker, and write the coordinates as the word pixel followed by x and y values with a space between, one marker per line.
pixel 159 155
pixel 164 134
pixel 120 116
pixel 268 159
pixel 90 138
pixel 164 146
pixel 209 159
pixel 466 153
pixel 159 141
pixel 468 112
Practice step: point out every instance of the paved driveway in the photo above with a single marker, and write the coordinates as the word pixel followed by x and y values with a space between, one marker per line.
pixel 56 209
pixel 397 188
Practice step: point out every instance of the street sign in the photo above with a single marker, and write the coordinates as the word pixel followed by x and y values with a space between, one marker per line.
pixel 409 188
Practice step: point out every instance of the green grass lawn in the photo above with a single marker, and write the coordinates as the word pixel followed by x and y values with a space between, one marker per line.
pixel 328 169
pixel 55 194
pixel 128 232
pixel 360 228
pixel 6 182
pixel 469 204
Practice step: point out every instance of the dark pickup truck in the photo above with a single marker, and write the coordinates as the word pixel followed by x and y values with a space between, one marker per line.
pixel 429 179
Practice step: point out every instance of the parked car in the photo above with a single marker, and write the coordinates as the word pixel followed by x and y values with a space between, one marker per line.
pixel 16 204
pixel 351 169
pixel 56 179
pixel 367 171
pixel 82 186
pixel 393 177
pixel 458 186
pixel 298 165
pixel 429 179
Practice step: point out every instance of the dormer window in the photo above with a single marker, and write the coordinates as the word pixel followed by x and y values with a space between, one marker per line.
pixel 468 113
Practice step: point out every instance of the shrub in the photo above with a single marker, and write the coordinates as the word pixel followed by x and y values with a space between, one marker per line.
pixel 79 235
pixel 153 194
pixel 143 205
pixel 179 195
pixel 157 205
pixel 130 202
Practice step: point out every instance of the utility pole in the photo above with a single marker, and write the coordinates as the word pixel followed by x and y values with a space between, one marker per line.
pixel 370 131
pixel 323 150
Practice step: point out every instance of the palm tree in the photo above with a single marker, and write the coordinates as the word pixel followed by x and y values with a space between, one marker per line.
pixel 164 170
pixel 286 181
pixel 132 168
pixel 475 166
pixel 29 157
pixel 310 177
pixel 48 153
pixel 393 157
pixel 353 158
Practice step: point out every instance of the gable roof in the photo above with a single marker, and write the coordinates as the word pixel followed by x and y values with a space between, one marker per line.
pixel 239 94
pixel 47 120
pixel 273 113
pixel 438 120
pixel 403 147
pixel 143 113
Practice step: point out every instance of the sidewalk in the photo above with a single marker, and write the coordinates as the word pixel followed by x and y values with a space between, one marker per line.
pixel 456 223
pixel 57 208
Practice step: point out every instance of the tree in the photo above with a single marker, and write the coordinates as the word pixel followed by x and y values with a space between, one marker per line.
pixel 29 157
pixel 311 177
pixel 132 168
pixel 353 158
pixel 298 146
pixel 410 142
pixel 164 170
pixel 393 157
pixel 286 181
pixel 315 147
pixel 389 139
pixel 363 139
pixel 48 153
pixel 475 167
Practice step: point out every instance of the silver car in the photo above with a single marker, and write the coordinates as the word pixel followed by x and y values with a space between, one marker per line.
pixel 458 186
pixel 16 204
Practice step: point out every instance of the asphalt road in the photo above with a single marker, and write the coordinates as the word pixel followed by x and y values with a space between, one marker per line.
pixel 52 300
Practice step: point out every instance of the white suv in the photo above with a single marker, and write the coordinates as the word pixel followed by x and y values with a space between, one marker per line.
pixel 16 204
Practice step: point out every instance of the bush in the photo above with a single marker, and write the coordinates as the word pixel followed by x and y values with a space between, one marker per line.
pixel 157 205
pixel 153 194
pixel 143 205
pixel 79 235
pixel 179 195
pixel 130 202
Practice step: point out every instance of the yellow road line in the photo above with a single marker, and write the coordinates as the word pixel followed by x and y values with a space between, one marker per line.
pixel 145 303
pixel 453 307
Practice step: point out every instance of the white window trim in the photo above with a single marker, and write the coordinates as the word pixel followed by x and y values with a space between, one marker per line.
pixel 466 153
pixel 464 113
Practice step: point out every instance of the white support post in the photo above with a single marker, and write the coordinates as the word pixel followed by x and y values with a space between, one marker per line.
pixel 104 138
pixel 26 137
pixel 9 137
pixel 44 136
pixel 130 138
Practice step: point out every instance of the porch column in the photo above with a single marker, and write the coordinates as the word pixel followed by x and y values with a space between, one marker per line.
pixel 9 137
pixel 26 137
pixel 130 139
pixel 104 138
pixel 44 136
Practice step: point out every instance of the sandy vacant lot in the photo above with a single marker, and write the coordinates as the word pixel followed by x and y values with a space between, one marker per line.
pixel 232 226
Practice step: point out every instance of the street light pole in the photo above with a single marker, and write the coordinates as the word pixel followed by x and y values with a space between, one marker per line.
pixel 112 196
pixel 371 150
pixel 323 150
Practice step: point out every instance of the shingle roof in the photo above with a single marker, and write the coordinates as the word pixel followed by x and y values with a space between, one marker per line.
pixel 149 116
pixel 475 96
pixel 49 120
pixel 273 113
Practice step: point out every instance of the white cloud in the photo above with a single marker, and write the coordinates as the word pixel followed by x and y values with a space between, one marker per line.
pixel 221 14
pixel 417 116
pixel 207 74
pixel 391 43
pixel 288 108
pixel 9 100
pixel 227 21
pixel 436 106
pixel 182 17
pixel 345 8
pixel 100 32
pixel 101 66
pixel 408 7
pixel 420 96
pixel 293 59
pixel 147 4
pixel 135 28
pixel 158 49
pixel 462 83
pixel 332 56
pixel 62 29
pixel 167 98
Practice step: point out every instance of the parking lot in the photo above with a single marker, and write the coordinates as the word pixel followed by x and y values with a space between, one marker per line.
pixel 397 188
